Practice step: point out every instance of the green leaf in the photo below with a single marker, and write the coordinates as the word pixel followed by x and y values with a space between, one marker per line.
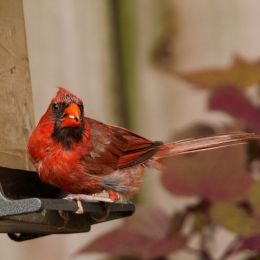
pixel 235 219
pixel 241 73
pixel 254 197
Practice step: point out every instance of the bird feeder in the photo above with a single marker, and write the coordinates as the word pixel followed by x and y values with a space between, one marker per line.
pixel 31 209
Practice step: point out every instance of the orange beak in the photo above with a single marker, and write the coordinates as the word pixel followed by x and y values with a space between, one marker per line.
pixel 71 116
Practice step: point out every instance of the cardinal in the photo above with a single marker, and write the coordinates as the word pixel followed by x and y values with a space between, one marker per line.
pixel 84 157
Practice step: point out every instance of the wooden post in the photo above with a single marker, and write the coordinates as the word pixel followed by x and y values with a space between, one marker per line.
pixel 16 110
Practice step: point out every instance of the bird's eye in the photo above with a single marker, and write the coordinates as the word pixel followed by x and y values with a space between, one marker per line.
pixel 55 106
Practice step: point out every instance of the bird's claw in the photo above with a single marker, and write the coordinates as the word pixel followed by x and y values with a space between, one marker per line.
pixel 80 209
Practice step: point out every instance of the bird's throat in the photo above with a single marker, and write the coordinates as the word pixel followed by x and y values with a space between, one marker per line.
pixel 68 136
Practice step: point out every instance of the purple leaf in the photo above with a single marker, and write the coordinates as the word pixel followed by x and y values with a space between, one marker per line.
pixel 233 102
pixel 146 235
pixel 142 222
pixel 251 243
pixel 130 243
pixel 218 175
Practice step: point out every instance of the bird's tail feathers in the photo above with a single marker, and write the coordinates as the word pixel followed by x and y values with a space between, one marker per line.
pixel 202 144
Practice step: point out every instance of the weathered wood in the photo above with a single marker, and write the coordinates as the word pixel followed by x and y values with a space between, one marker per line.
pixel 16 112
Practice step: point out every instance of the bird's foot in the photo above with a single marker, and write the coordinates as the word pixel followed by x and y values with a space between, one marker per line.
pixel 80 209
pixel 84 197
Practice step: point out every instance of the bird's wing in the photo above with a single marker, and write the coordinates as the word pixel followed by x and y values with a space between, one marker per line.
pixel 114 147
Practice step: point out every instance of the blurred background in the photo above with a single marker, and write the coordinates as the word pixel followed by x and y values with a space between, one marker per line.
pixel 147 65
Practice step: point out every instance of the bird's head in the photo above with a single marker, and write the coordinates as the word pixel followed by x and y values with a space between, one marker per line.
pixel 67 112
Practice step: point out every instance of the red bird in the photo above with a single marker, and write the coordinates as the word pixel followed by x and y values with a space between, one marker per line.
pixel 83 156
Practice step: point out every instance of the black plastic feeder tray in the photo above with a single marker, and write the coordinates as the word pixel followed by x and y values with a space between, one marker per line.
pixel 31 209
